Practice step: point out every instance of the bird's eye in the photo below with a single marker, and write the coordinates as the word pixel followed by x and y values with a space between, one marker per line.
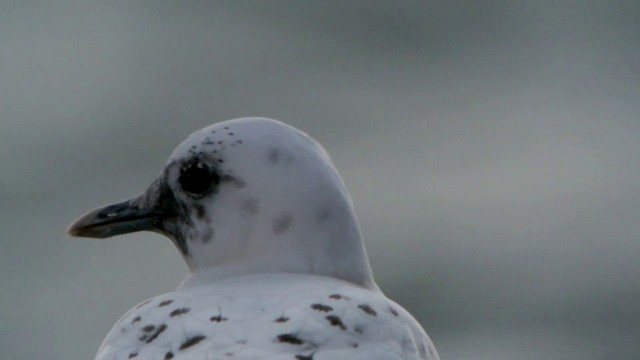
pixel 198 179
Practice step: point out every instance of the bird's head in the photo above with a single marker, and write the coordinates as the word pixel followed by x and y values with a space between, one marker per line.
pixel 246 196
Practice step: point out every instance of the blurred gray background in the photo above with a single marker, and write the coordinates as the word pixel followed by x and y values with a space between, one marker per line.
pixel 492 149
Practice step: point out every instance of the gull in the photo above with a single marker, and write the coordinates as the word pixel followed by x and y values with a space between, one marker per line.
pixel 278 268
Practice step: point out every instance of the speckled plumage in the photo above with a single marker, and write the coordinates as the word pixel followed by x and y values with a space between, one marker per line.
pixel 279 269
pixel 268 316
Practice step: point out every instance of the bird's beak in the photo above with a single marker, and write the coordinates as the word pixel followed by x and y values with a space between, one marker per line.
pixel 121 218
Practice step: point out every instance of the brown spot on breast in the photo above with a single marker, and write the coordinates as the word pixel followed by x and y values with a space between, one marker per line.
pixel 367 309
pixel 158 331
pixel 335 321
pixel 178 312
pixel 289 339
pixel 218 318
pixel 192 341
pixel 321 307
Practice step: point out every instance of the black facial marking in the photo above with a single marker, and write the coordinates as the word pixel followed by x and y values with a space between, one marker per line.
pixel 192 341
pixel 335 321
pixel 168 355
pixel 368 309
pixel 178 312
pixel 176 213
pixel 289 339
pixel 281 319
pixel 218 318
pixel 281 224
pixel 321 307
pixel 158 331
pixel 198 179
pixel 201 212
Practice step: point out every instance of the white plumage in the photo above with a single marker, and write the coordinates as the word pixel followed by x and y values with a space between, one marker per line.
pixel 279 269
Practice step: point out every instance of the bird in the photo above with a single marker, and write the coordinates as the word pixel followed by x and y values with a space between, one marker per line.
pixel 277 264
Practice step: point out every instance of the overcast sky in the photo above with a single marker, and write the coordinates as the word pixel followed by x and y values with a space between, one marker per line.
pixel 492 150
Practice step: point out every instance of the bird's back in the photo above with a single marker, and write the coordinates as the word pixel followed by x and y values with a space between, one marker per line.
pixel 268 316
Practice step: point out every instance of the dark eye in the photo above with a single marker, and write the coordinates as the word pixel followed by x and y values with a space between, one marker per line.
pixel 198 179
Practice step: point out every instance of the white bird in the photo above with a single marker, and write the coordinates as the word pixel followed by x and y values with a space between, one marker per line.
pixel 278 265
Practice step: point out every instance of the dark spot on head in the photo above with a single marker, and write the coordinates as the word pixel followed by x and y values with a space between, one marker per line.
pixel 136 319
pixel 133 355
pixel 393 311
pixel 368 309
pixel 178 312
pixel 220 142
pixel 422 351
pixel 335 321
pixel 321 307
pixel 239 183
pixel 250 206
pixel 148 328
pixel 168 355
pixel 213 131
pixel 226 128
pixel 274 155
pixel 165 303
pixel 289 339
pixel 281 319
pixel 230 134
pixel 323 215
pixel 153 336
pixel 218 318
pixel 281 224
pixel 192 341
pixel 354 345
pixel 228 354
